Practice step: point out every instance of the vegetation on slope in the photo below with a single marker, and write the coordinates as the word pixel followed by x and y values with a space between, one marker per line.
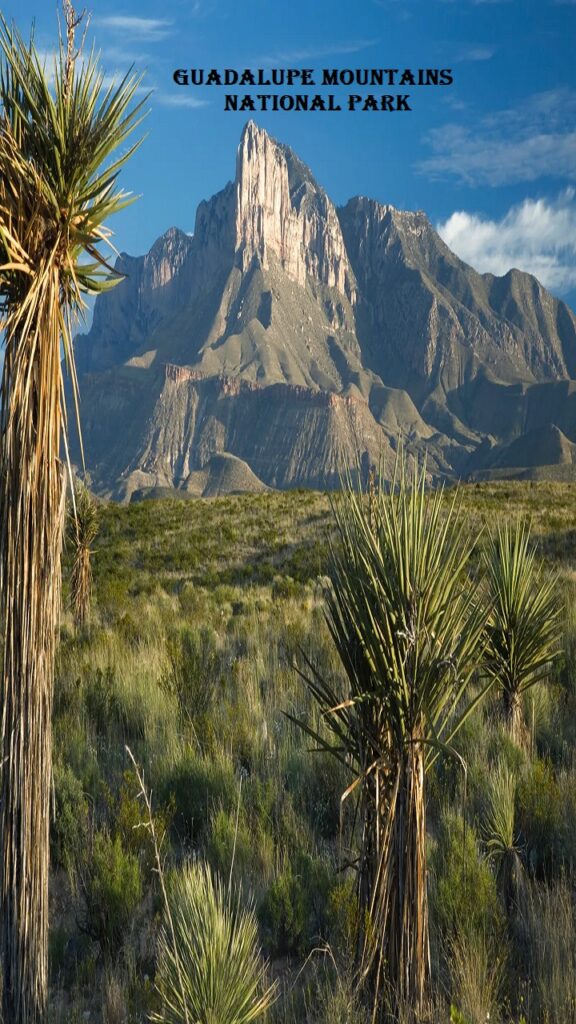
pixel 201 613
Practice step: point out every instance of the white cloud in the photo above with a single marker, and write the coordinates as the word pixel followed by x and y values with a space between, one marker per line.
pixel 538 236
pixel 534 140
pixel 176 100
pixel 474 53
pixel 151 30
pixel 315 52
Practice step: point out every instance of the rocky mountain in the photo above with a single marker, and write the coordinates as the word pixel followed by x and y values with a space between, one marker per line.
pixel 287 339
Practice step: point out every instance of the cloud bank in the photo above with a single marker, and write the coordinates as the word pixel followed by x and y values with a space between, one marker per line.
pixel 538 236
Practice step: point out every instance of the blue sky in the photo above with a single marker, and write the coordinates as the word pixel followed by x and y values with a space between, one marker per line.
pixel 491 159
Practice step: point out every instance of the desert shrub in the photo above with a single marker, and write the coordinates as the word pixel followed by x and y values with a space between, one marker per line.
pixel 197 785
pixel 69 827
pixel 317 784
pixel 539 816
pixel 283 914
pixel 463 891
pixel 112 890
pixel 250 845
pixel 294 911
pixel 194 675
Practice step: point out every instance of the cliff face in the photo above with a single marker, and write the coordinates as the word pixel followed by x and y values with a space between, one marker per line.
pixel 280 209
pixel 296 339
pixel 147 296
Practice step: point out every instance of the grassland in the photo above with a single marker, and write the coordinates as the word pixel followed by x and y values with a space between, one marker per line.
pixel 203 612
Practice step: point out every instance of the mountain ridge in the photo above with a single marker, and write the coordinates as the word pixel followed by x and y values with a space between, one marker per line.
pixel 298 338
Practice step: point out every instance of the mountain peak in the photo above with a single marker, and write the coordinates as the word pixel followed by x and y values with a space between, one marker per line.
pixel 283 214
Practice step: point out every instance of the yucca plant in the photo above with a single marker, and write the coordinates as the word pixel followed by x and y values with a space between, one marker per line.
pixel 82 529
pixel 501 838
pixel 407 625
pixel 57 188
pixel 209 969
pixel 524 627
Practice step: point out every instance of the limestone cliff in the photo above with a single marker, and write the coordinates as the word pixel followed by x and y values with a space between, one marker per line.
pixel 280 209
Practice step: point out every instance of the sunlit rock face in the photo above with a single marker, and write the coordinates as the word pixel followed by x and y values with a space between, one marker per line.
pixel 280 209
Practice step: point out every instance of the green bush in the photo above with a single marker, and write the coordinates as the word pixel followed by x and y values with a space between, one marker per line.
pixel 463 891
pixel 194 675
pixel 69 828
pixel 283 914
pixel 197 785
pixel 112 890
pixel 250 845
pixel 294 911
pixel 540 818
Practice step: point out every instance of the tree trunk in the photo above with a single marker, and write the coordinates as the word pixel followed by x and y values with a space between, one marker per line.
pixel 31 524
pixel 80 586
pixel 514 717
pixel 393 897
